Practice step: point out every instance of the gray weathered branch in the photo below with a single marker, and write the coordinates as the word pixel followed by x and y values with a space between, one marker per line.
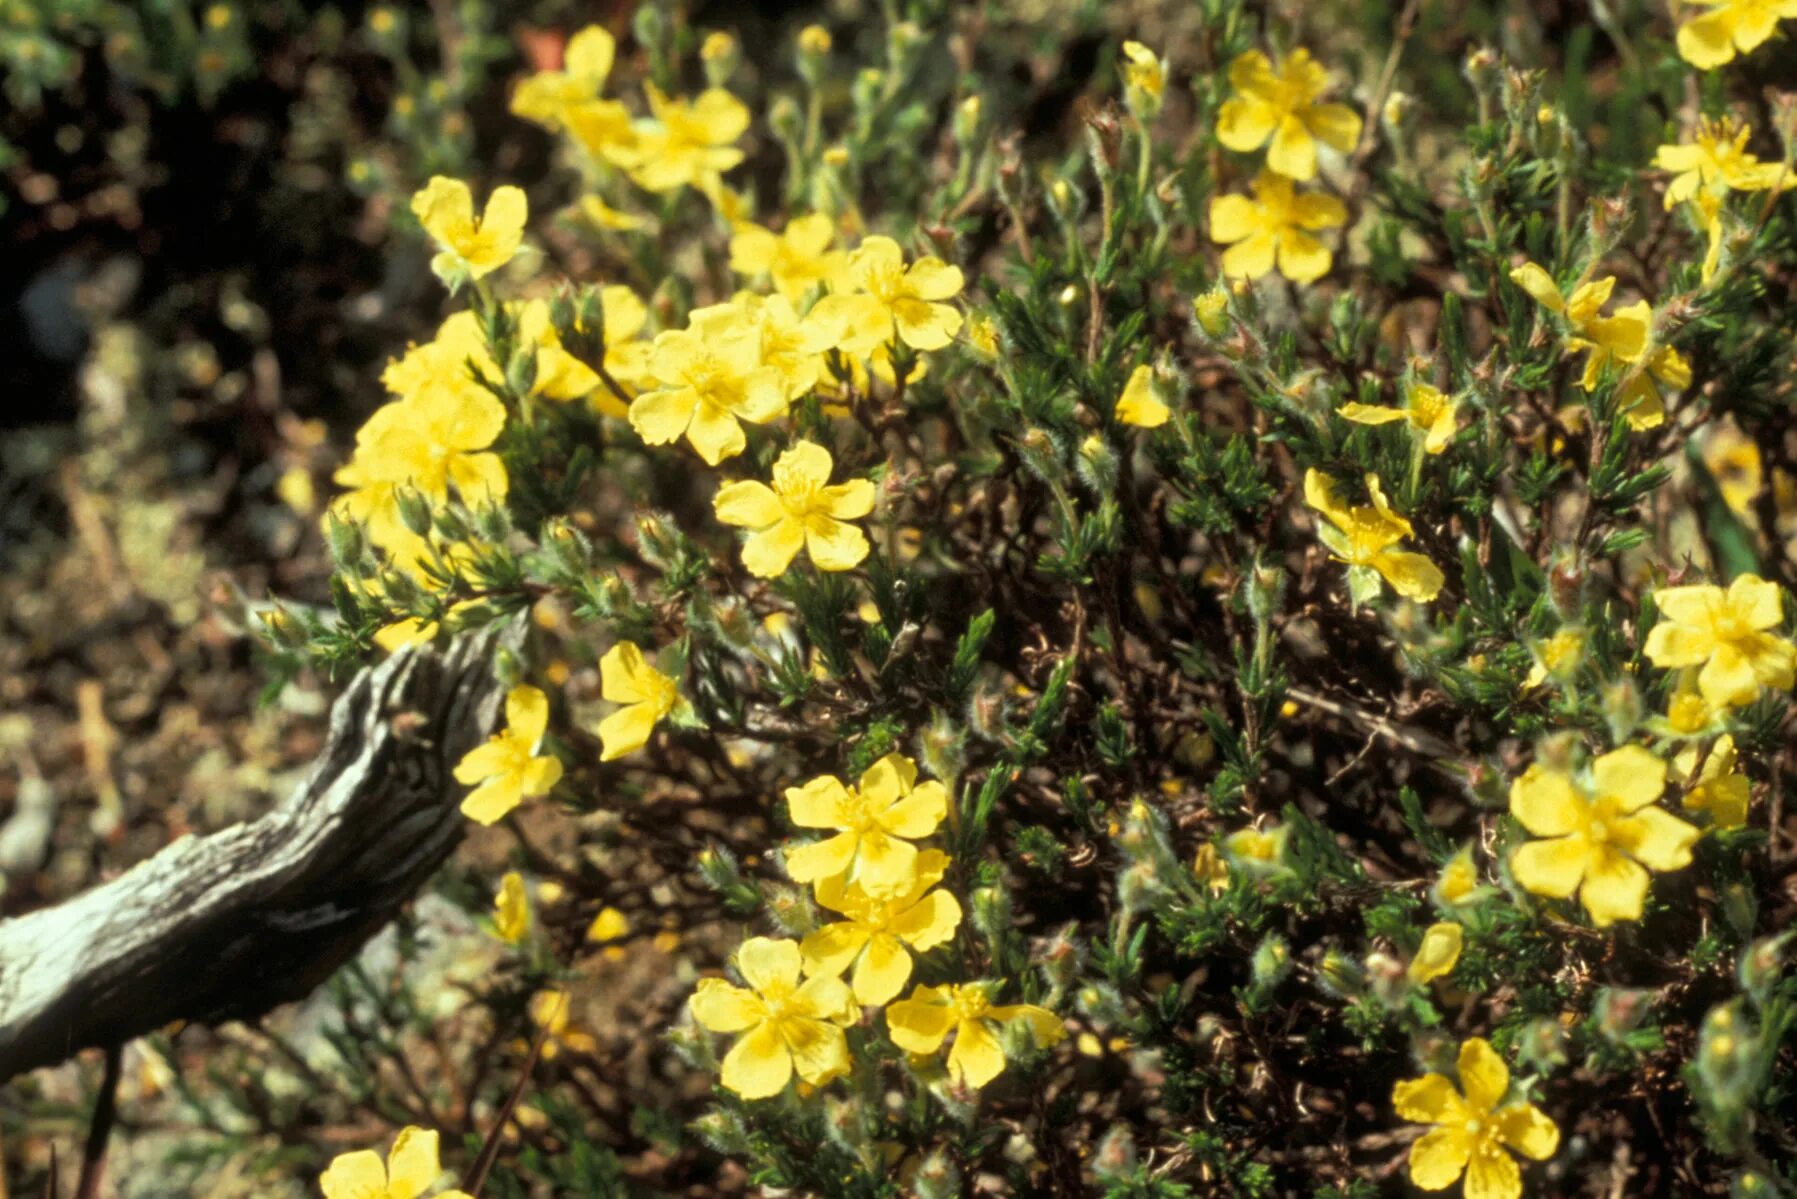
pixel 230 925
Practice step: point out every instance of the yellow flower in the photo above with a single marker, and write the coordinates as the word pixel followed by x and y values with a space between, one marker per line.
pixel 547 97
pixel 1281 104
pixel 1144 81
pixel 1210 868
pixel 1733 460
pixel 1271 229
pixel 549 1010
pixel 508 768
pixel 646 693
pixel 1430 413
pixel 921 1023
pixel 1259 851
pixel 1602 834
pixel 796 259
pixel 802 510
pixel 428 442
pixel 789 1026
pixel 1717 159
pixel 686 142
pixel 884 299
pixel 879 927
pixel 876 821
pixel 1139 405
pixel 1731 25
pixel 1620 337
pixel 1472 1132
pixel 471 248
pixel 1556 658
pixel 1363 538
pixel 410 1169
pixel 1719 790
pixel 789 345
pixel 712 378
pixel 1687 712
pixel 814 40
pixel 1725 633
pixel 511 909
pixel 1437 954
pixel 1458 883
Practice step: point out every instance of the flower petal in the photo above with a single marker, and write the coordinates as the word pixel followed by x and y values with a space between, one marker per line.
pixel 833 544
pixel 1656 838
pixel 1632 774
pixel 882 971
pixel 1293 152
pixel 355 1175
pixel 1438 1157
pixel 917 814
pixel 1492 1174
pixel 759 1065
pixel 490 801
pixel 412 1163
pixel 918 1024
pixel 768 553
pixel 1615 887
pixel 1430 1099
pixel 1553 867
pixel 1483 1075
pixel 1546 802
pixel 1524 1128
pixel 834 947
pixel 748 504
pixel 977 1058
pixel 808 863
pixel 626 730
pixel 769 963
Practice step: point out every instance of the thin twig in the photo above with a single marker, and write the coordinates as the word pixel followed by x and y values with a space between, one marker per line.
pixel 99 1130
pixel 489 1150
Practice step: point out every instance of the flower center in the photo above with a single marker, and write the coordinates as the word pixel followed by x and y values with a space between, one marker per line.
pixel 1474 1127
pixel 970 1003
pixel 886 283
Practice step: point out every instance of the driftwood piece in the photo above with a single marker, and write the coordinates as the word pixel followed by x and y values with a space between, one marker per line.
pixel 230 925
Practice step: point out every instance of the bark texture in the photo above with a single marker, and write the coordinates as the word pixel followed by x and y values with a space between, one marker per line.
pixel 230 925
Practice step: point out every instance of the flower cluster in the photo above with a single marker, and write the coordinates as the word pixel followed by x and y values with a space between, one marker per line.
pixel 871 872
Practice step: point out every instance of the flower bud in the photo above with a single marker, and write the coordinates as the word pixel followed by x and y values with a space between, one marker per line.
pixel 1761 964
pixel 414 510
pixel 967 120
pixel 785 119
pixel 1340 974
pixel 1272 961
pixel 346 542
pixel 1211 311
pixel 720 53
pixel 936 1177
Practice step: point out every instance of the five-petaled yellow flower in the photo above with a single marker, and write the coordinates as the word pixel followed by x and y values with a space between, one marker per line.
pixel 1139 404
pixel 686 142
pixel 797 259
pixel 884 298
pixel 1620 337
pixel 879 927
pixel 1365 537
pixel 788 1025
pixel 1281 103
pixel 802 510
pixel 471 247
pixel 1726 633
pixel 511 909
pixel 647 694
pixel 712 378
pixel 1436 956
pixel 921 1023
pixel 1730 26
pixel 1602 834
pixel 1472 1129
pixel 410 1169
pixel 550 97
pixel 1430 413
pixel 1272 230
pixel 508 769
pixel 876 821
pixel 1718 158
